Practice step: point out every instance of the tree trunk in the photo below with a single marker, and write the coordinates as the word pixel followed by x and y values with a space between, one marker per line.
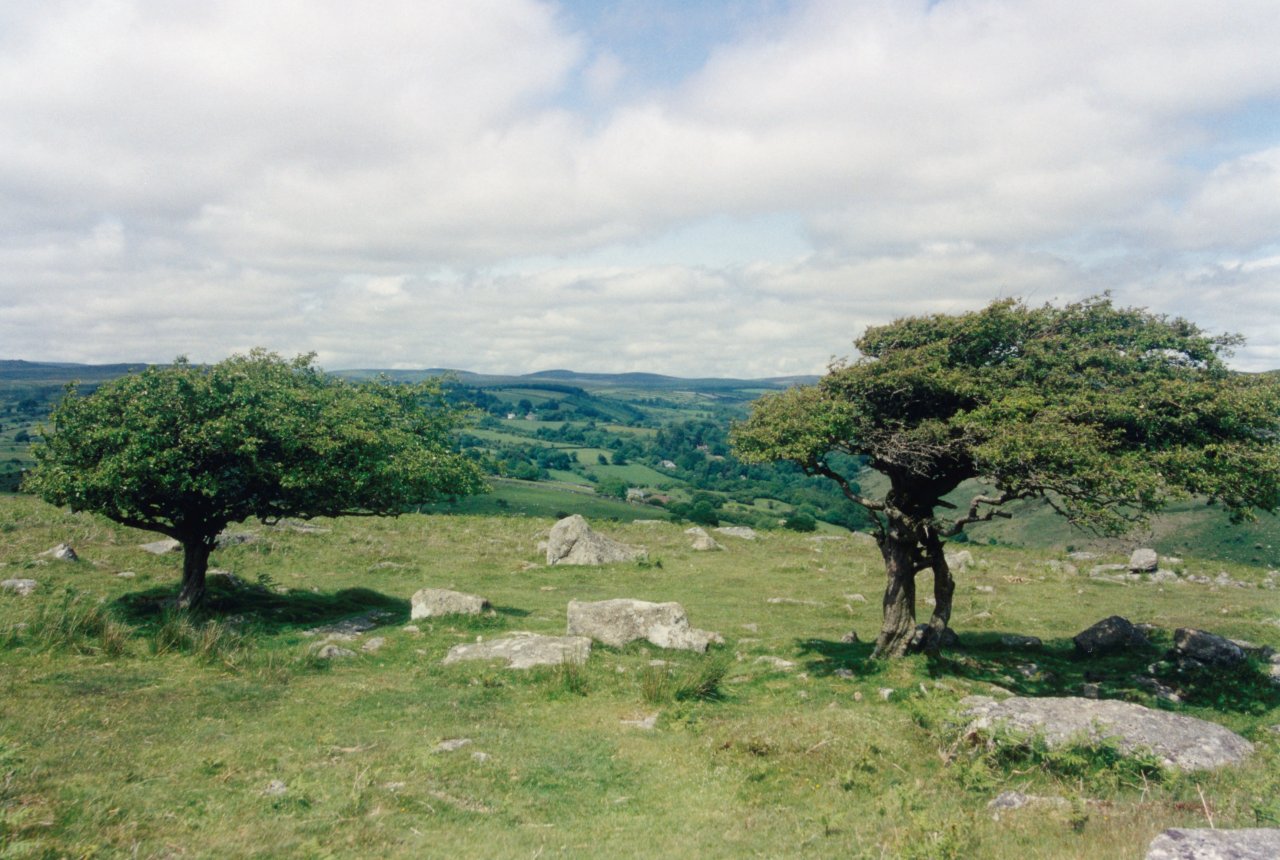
pixel 195 563
pixel 899 625
pixel 944 588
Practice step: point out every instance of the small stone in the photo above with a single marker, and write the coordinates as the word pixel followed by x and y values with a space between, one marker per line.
pixel 62 552
pixel 334 652
pixel 160 547
pixel 480 757
pixel 751 628
pixel 791 601
pixel 452 745
pixel 850 638
pixel 844 673
pixel 1091 691
pixel 1013 640
pixel 856 598
pixel 984 589
pixel 21 587
pixel 776 662
pixel 412 629
pixel 646 723
pixel 857 696
pixel 373 645
pixel 885 693
pixel 126 574
pixel 275 788
pixel 435 602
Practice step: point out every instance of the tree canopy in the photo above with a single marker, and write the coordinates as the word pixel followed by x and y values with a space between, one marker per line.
pixel 185 450
pixel 1105 413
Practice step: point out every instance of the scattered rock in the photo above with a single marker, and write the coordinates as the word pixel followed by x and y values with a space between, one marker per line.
pixel 275 788
pixel 1109 636
pixel 738 532
pixel 960 561
pixel 412 629
pixel 855 598
pixel 1010 800
pixel 984 589
pixel 1179 741
pixel 1157 689
pixel 330 651
pixel 646 723
pixel 434 602
pixel 373 645
pixel 229 539
pixel 617 622
pixel 703 542
pixel 1144 560
pixel 1163 576
pixel 850 638
pixel 1091 690
pixel 480 757
pixel 300 527
pixel 1082 556
pixel 160 547
pixel 219 578
pixel 1196 649
pixel 351 627
pixel 776 662
pixel 572 541
pixel 847 674
pixel 886 693
pixel 22 587
pixel 524 650
pixel 751 628
pixel 126 574
pixel 791 601
pixel 62 552
pixel 1013 640
pixel 1062 567
pixel 452 745
pixel 1248 844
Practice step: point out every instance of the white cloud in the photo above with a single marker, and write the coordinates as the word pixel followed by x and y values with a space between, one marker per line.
pixel 424 185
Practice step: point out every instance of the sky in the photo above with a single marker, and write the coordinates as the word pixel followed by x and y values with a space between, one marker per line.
pixel 689 187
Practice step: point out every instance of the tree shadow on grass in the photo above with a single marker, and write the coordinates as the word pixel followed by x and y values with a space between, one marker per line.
pixel 834 656
pixel 270 610
pixel 1056 668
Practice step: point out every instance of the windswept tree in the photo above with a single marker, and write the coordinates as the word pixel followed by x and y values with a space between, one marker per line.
pixel 1106 414
pixel 186 450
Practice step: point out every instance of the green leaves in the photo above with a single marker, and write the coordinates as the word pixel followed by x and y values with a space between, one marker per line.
pixel 184 450
pixel 1108 412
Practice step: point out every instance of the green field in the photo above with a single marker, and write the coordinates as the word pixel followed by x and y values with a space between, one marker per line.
pixel 142 737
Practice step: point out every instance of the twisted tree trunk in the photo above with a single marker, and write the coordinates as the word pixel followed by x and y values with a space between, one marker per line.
pixel 195 564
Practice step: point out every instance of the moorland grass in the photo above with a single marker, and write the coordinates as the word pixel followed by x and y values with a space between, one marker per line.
pixel 169 745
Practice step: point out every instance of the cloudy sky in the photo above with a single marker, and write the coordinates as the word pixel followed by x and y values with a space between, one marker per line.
pixel 692 187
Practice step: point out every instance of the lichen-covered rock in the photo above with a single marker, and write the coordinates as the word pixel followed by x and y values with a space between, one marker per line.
pixel 524 650
pixel 434 602
pixel 1144 560
pixel 1249 844
pixel 572 541
pixel 617 622
pixel 161 547
pixel 1206 649
pixel 1109 636
pixel 1181 742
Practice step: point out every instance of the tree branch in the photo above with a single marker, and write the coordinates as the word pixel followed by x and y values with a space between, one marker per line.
pixel 821 468
pixel 973 516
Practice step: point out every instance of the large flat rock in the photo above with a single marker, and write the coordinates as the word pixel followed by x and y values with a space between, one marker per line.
pixel 524 650
pixel 1181 742
pixel 1250 844
pixel 619 621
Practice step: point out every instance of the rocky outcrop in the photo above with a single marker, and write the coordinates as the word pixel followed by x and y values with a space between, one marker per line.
pixel 1109 636
pixel 617 622
pixel 524 650
pixel 161 547
pixel 22 587
pixel 434 602
pixel 1181 742
pixel 572 541
pixel 738 532
pixel 1249 844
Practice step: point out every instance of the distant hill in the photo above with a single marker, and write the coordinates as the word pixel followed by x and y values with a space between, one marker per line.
pixel 633 381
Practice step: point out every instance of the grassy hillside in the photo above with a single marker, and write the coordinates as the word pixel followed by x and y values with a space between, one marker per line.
pixel 125 733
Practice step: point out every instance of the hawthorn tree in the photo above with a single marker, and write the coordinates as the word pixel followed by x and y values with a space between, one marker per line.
pixel 186 450
pixel 1104 413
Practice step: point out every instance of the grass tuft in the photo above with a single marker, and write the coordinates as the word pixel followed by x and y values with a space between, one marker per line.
pixel 79 623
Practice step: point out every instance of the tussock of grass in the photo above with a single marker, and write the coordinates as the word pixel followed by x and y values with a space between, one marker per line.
pixel 79 622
